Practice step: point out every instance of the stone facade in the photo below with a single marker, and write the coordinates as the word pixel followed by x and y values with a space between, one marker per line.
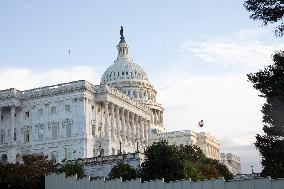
pixel 208 144
pixel 232 161
pixel 81 120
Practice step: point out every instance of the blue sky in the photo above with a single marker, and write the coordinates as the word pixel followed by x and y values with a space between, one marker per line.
pixel 196 53
pixel 41 32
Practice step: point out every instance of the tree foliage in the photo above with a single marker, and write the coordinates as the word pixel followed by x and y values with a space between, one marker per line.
pixel 161 161
pixel 192 171
pixel 30 174
pixel 268 11
pixel 73 169
pixel 173 163
pixel 122 170
pixel 270 82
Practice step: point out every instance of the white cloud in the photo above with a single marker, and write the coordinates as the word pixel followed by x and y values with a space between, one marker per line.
pixel 247 49
pixel 27 78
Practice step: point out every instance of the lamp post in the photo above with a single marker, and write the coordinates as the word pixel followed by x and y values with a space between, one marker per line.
pixel 251 169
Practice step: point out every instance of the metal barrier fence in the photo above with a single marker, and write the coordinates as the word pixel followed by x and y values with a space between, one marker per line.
pixel 62 182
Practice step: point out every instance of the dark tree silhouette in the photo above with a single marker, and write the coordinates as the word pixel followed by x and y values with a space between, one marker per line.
pixel 30 174
pixel 268 11
pixel 122 170
pixel 270 82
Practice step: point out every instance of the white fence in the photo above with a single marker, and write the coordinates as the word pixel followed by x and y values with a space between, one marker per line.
pixel 60 182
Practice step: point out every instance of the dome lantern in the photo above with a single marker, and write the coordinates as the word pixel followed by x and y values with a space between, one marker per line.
pixel 122 47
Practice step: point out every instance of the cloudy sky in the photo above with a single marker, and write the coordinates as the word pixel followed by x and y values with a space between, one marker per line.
pixel 196 53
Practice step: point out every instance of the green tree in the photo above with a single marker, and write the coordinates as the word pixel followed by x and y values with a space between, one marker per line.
pixel 162 161
pixel 222 169
pixel 30 174
pixel 191 152
pixel 270 82
pixel 268 11
pixel 122 170
pixel 172 163
pixel 192 170
pixel 73 169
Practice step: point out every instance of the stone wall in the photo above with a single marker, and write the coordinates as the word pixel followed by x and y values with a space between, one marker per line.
pixel 60 182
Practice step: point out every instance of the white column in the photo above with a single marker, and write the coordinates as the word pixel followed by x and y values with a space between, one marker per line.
pixel 136 126
pixel 142 130
pixel 13 110
pixel 117 122
pixel 123 124
pixel 162 117
pixel 155 117
pixel 106 120
pixel 147 132
pixel 139 128
pixel 127 126
pixel 132 127
pixel 112 121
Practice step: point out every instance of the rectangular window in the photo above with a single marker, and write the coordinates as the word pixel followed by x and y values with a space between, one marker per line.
pixel 27 114
pixel 68 131
pixel 2 137
pixel 26 136
pixel 54 133
pixel 40 135
pixel 53 110
pixel 15 134
pixel 40 112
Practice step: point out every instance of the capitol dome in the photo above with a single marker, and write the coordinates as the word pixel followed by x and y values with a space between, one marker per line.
pixel 124 69
pixel 127 76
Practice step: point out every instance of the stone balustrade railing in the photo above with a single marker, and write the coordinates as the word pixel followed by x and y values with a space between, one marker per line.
pixel 102 159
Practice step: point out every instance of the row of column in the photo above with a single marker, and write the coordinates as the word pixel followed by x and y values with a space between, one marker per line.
pixel 157 118
pixel 12 128
pixel 124 125
pixel 213 152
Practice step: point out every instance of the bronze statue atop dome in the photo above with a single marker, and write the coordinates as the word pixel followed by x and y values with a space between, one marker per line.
pixel 122 39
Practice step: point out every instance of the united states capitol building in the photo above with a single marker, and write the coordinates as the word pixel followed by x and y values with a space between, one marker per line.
pixel 82 120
